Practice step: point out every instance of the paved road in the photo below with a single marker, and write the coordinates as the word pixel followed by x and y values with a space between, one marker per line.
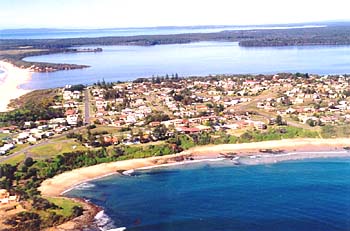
pixel 265 95
pixel 87 107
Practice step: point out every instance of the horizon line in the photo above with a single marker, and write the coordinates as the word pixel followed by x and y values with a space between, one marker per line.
pixel 182 26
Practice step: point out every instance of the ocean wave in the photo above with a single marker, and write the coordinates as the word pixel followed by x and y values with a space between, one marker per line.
pixel 105 223
pixel 128 172
pixel 290 156
pixel 181 163
pixel 85 186
pixel 118 229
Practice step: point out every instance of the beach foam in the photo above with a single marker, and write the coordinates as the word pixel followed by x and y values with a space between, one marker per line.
pixel 128 172
pixel 104 222
pixel 85 185
pixel 290 156
pixel 181 163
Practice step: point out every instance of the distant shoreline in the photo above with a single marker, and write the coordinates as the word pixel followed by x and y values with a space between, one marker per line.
pixel 15 50
pixel 20 33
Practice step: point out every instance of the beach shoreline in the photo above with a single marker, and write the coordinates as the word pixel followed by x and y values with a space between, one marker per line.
pixel 12 78
pixel 303 148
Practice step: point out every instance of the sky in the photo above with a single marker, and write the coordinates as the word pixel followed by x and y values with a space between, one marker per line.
pixel 149 13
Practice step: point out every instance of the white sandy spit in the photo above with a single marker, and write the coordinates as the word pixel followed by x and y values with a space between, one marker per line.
pixel 10 81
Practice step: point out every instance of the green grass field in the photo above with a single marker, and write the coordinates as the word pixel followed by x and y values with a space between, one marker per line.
pixel 4 136
pixel 14 160
pixel 65 205
pixel 56 148
pixel 18 147
pixel 109 129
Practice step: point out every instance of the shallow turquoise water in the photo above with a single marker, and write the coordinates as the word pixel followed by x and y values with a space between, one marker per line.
pixel 290 196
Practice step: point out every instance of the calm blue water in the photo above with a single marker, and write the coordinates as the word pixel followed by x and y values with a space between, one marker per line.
pixel 77 33
pixel 291 196
pixel 204 58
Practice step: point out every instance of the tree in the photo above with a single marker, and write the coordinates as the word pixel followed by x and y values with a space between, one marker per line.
pixel 160 132
pixel 43 204
pixel 77 211
pixel 218 108
pixel 311 122
pixel 279 120
pixel 246 137
pixel 204 138
pixel 78 87
pixel 119 152
pixel 158 116
pixel 25 221
pixel 91 137
pixel 28 161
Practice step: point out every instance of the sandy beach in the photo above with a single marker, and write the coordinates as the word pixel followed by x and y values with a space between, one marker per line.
pixel 10 82
pixel 59 184
pixel 289 145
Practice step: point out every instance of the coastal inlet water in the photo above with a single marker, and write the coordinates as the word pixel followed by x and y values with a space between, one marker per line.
pixel 203 58
pixel 290 196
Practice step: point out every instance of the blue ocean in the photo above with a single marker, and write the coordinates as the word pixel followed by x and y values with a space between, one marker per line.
pixel 291 196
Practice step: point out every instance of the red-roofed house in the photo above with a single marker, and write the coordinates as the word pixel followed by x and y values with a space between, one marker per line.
pixel 70 112
pixel 187 130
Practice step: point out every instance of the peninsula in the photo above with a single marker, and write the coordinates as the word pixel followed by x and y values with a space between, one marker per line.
pixel 82 132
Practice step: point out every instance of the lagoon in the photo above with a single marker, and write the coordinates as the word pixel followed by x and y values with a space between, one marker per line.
pixel 125 63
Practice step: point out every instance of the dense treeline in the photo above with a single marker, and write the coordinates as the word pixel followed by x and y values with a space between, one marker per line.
pixel 321 35
pixel 32 107
pixel 16 58
pixel 32 112
pixel 330 35
pixel 77 87
pixel 156 117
